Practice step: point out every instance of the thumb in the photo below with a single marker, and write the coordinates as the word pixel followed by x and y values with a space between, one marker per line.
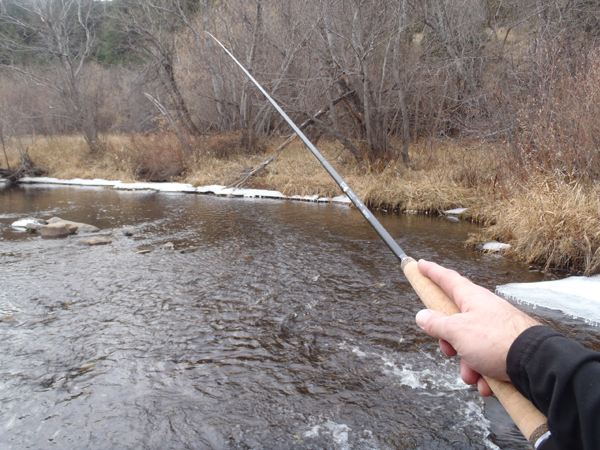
pixel 434 323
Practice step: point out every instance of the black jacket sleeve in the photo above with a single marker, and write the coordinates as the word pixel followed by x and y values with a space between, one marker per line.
pixel 562 379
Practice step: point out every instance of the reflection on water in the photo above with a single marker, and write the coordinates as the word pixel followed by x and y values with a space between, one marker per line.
pixel 307 343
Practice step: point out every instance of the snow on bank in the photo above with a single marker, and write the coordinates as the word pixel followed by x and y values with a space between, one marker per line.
pixel 160 187
pixel 455 211
pixel 185 188
pixel 576 296
pixel 76 181
pixel 495 247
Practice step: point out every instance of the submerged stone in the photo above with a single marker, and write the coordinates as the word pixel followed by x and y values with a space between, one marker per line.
pixel 130 232
pixel 94 241
pixel 57 230
pixel 84 227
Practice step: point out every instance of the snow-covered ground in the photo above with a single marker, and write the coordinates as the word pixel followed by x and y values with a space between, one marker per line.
pixel 185 188
pixel 578 297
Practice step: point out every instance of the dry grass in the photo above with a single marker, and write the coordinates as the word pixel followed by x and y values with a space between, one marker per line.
pixel 552 223
pixel 547 220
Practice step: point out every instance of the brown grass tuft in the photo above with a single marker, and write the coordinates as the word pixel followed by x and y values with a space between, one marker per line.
pixel 552 223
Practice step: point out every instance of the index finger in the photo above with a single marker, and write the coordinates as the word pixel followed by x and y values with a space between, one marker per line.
pixel 449 280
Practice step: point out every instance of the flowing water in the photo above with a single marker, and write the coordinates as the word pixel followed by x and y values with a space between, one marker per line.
pixel 290 326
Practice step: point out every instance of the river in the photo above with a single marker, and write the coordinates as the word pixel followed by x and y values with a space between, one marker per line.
pixel 290 326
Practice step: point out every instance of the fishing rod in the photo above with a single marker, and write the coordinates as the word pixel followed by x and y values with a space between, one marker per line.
pixel 532 423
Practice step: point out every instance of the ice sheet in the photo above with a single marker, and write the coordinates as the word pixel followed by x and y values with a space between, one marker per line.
pixel 576 296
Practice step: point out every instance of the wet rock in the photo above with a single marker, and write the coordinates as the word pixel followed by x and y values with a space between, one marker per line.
pixel 190 249
pixel 82 227
pixel 452 219
pixel 94 241
pixel 57 230
pixel 170 246
pixel 130 232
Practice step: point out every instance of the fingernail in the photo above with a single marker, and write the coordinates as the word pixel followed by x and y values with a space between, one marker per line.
pixel 423 317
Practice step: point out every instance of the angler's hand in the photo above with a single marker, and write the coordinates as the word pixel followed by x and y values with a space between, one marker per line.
pixel 481 334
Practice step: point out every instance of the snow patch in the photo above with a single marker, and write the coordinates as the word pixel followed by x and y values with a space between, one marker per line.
pixel 22 224
pixel 161 187
pixel 495 247
pixel 456 211
pixel 76 181
pixel 185 188
pixel 578 297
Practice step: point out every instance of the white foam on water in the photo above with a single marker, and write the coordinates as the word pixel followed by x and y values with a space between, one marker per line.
pixel 437 373
pixel 431 373
pixel 578 297
pixel 338 432
pixel 473 413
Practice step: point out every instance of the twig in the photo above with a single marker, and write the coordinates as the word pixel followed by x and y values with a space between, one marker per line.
pixel 288 141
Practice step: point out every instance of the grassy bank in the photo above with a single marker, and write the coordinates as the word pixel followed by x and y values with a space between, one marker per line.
pixel 548 220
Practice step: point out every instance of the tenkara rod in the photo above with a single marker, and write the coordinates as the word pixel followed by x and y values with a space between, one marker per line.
pixel 531 422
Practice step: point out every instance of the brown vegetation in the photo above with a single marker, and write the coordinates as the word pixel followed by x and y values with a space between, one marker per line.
pixel 422 105
pixel 548 221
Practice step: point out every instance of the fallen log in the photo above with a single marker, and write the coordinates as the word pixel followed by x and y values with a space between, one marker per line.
pixel 27 168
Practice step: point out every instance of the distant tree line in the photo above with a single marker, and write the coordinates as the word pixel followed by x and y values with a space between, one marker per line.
pixel 388 72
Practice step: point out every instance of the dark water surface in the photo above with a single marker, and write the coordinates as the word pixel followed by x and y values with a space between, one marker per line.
pixel 308 343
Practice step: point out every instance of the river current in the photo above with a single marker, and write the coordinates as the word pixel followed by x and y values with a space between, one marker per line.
pixel 289 325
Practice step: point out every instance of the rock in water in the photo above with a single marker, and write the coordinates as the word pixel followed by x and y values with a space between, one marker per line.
pixel 57 230
pixel 170 246
pixel 130 232
pixel 34 226
pixel 80 226
pixel 94 241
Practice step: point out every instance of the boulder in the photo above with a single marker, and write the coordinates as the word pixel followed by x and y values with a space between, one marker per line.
pixel 94 241
pixel 82 227
pixel 57 230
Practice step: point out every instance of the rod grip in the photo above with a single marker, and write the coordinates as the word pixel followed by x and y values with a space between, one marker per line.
pixel 532 423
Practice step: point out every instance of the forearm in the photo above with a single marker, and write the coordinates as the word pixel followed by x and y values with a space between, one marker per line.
pixel 562 379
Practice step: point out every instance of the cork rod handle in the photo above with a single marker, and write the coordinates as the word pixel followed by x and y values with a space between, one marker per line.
pixel 530 421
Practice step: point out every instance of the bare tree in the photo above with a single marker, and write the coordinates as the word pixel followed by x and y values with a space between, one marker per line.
pixel 153 27
pixel 60 36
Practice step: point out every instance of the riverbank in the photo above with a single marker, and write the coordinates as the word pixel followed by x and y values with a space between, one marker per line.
pixel 548 220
